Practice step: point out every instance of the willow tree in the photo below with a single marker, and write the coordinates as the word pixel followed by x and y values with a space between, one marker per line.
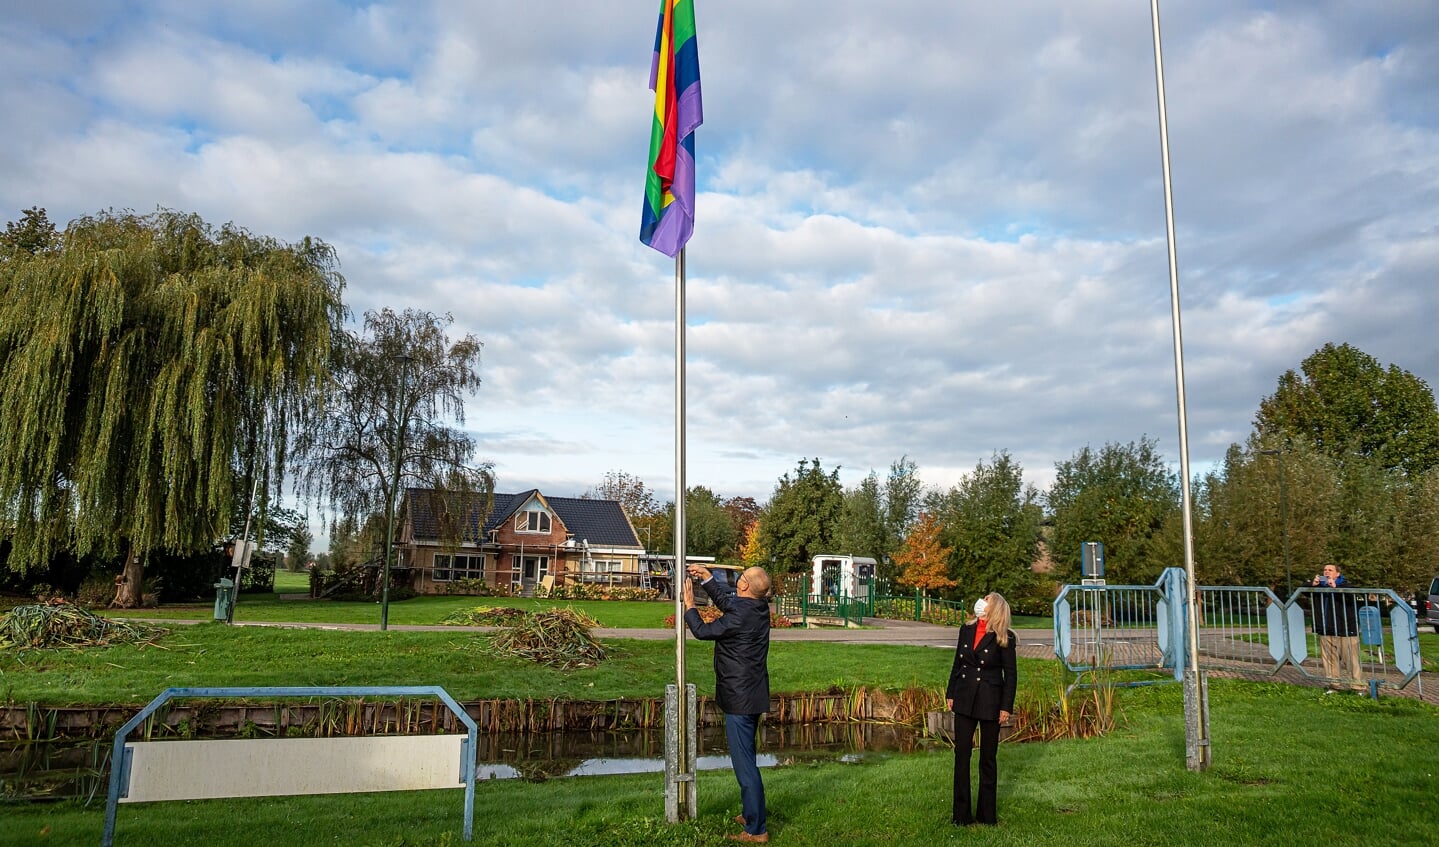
pixel 152 367
pixel 394 390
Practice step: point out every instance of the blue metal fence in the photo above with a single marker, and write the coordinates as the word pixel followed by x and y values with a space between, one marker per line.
pixel 1241 629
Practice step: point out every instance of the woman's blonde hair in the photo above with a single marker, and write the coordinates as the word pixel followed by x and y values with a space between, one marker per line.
pixel 996 617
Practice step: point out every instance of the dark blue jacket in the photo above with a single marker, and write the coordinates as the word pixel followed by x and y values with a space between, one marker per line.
pixel 741 638
pixel 982 681
pixel 1336 613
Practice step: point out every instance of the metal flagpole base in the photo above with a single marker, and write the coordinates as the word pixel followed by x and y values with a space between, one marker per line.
pixel 1196 720
pixel 680 797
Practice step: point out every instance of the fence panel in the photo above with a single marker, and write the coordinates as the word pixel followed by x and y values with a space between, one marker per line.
pixel 1116 627
pixel 1348 623
pixel 1242 629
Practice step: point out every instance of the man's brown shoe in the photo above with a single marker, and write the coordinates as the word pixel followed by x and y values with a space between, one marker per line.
pixel 739 819
pixel 762 838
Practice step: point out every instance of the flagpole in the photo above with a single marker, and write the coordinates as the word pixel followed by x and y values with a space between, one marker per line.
pixel 1196 699
pixel 683 729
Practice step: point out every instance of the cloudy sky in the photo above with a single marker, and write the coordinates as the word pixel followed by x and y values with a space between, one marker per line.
pixel 931 228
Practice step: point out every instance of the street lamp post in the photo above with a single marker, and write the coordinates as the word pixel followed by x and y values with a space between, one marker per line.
pixel 1283 516
pixel 401 419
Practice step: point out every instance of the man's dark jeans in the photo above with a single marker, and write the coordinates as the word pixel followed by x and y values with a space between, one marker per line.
pixel 740 730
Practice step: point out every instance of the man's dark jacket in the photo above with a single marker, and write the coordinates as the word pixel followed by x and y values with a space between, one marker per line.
pixel 1335 613
pixel 741 638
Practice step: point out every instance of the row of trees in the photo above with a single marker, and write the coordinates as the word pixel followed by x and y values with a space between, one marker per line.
pixel 1342 466
pixel 160 376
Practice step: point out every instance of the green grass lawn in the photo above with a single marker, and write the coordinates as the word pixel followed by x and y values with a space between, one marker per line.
pixel 216 655
pixel 428 610
pixel 1291 767
pixel 416 611
pixel 292 582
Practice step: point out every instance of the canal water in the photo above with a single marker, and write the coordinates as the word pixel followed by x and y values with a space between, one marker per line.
pixel 41 771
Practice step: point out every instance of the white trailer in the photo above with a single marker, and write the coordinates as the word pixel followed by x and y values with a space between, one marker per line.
pixel 841 576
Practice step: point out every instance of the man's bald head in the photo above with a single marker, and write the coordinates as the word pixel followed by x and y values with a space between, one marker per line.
pixel 756 583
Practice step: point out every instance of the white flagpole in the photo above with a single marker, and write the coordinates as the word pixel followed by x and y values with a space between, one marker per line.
pixel 1196 699
pixel 681 717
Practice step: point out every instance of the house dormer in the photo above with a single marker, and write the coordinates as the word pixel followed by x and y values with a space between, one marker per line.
pixel 533 520
pixel 534 517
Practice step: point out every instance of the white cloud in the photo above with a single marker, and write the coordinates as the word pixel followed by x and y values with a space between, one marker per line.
pixel 924 228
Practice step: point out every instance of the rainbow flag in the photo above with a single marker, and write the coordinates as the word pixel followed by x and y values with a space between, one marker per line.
pixel 668 219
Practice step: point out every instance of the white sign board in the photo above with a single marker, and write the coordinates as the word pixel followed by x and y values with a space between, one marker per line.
pixel 271 767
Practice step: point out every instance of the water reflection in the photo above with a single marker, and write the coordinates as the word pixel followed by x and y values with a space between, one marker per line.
pixel 55 770
pixel 564 754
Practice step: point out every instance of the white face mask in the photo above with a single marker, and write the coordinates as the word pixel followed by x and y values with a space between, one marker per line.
pixel 979 607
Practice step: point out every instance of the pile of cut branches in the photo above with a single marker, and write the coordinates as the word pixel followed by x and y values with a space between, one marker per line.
pixel 484 616
pixel 38 627
pixel 558 638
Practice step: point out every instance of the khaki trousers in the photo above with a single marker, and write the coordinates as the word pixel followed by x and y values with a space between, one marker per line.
pixel 1340 655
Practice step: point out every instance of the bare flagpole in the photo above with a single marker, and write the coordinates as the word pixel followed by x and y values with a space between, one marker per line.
pixel 1196 696
pixel 683 730
pixel 681 802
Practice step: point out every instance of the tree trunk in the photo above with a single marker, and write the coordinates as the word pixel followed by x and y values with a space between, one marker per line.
pixel 128 590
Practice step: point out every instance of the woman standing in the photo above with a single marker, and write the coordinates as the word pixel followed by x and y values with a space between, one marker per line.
pixel 981 693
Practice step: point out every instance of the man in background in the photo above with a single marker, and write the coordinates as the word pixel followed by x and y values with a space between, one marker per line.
pixel 1336 622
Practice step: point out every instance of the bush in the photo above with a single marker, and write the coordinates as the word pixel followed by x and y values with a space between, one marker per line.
pixel 95 592
pixel 476 588
pixel 593 591
pixel 710 614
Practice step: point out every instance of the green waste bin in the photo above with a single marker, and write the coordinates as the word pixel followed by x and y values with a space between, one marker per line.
pixel 224 598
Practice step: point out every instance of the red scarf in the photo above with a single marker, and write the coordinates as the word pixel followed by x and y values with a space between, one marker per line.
pixel 979 631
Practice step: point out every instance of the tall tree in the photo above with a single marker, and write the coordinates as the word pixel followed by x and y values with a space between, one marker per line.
pixel 299 552
pixel 384 428
pixel 991 520
pixel 709 528
pixel 861 530
pixel 1240 527
pixel 752 550
pixel 653 522
pixel 628 490
pixel 923 560
pixel 744 511
pixel 903 494
pixel 151 367
pixel 1120 495
pixel 802 515
pixel 29 236
pixel 1344 402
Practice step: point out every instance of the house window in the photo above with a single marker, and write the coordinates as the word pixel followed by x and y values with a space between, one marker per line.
pixel 534 520
pixel 600 570
pixel 454 568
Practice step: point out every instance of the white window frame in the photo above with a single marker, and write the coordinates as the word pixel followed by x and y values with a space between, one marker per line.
pixel 457 567
pixel 600 570
pixel 534 521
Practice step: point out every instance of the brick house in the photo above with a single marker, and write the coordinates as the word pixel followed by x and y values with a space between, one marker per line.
pixel 523 539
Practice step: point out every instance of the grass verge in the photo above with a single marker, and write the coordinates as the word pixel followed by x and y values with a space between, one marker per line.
pixel 1291 767
pixel 217 655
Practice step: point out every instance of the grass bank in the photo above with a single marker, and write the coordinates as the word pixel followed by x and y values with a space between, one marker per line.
pixel 430 610
pixel 416 611
pixel 217 655
pixel 1291 767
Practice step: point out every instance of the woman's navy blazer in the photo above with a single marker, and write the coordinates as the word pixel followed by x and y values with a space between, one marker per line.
pixel 981 684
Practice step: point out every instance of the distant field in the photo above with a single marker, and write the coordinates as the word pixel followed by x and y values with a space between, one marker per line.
pixel 297 582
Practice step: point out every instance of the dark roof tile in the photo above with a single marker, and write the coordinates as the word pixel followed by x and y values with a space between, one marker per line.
pixel 600 522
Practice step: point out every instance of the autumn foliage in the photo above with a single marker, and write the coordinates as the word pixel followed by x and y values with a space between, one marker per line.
pixel 923 562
